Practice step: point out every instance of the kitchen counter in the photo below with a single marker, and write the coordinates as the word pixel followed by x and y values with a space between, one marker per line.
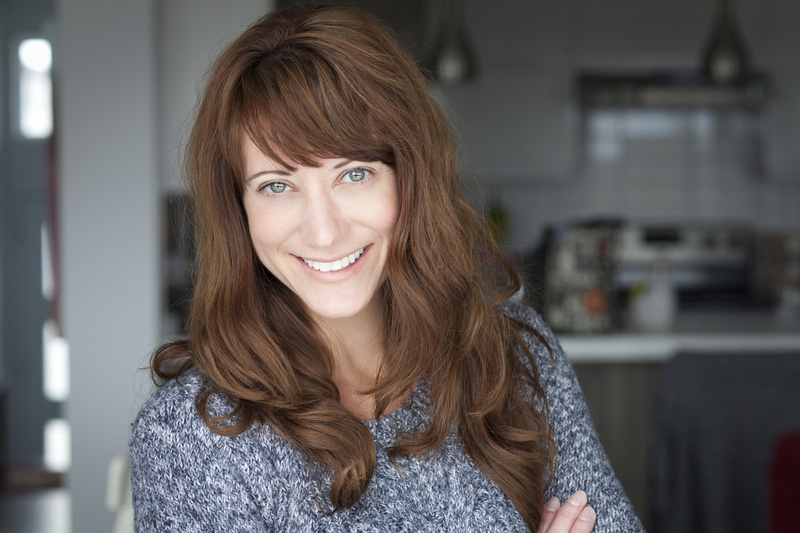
pixel 718 332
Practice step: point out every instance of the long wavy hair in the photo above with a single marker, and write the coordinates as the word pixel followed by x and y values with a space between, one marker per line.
pixel 317 81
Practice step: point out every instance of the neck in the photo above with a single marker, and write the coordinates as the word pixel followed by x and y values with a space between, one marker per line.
pixel 357 351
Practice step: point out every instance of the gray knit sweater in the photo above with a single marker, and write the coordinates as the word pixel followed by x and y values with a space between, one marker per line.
pixel 188 479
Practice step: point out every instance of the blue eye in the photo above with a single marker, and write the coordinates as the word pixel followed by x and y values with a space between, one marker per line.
pixel 356 174
pixel 276 187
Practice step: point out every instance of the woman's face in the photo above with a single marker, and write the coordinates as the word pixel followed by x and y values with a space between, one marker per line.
pixel 324 232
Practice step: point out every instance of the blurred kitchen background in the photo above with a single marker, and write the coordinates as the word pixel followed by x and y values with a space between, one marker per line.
pixel 639 161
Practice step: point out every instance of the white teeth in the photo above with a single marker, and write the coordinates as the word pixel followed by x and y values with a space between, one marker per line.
pixel 335 265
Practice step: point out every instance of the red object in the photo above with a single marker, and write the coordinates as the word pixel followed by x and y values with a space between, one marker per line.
pixel 596 302
pixel 785 478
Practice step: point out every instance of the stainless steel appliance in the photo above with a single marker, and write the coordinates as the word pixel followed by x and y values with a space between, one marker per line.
pixel 702 258
pixel 579 277
pixel 590 269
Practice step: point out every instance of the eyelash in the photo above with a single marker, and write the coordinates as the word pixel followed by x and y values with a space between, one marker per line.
pixel 367 174
pixel 267 187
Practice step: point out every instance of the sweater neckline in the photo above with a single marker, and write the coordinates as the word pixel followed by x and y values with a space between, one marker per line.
pixel 411 416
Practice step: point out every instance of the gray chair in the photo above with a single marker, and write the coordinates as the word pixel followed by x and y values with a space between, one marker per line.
pixel 718 419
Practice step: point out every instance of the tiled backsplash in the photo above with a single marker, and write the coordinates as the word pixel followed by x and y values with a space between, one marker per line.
pixel 661 165
pixel 660 196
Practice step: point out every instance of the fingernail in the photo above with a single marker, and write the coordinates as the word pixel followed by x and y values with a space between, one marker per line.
pixel 587 515
pixel 552 504
pixel 579 498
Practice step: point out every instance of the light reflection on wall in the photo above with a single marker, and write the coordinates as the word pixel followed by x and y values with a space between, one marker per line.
pixel 35 89
pixel 57 453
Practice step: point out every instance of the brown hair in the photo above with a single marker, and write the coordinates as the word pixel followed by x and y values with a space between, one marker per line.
pixel 311 82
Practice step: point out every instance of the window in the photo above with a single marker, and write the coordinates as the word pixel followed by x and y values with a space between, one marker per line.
pixel 35 89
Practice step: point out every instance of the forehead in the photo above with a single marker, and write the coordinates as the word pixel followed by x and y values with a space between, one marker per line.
pixel 256 158
pixel 252 156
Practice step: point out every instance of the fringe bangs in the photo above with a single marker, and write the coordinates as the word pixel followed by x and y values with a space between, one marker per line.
pixel 294 108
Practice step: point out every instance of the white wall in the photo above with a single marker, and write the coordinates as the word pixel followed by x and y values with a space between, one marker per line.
pixel 128 77
pixel 110 220
pixel 192 33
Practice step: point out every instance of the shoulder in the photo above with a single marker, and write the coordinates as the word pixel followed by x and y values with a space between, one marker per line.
pixel 527 315
pixel 169 418
pixel 168 434
pixel 543 344
pixel 555 374
pixel 185 477
pixel 582 463
pixel 170 410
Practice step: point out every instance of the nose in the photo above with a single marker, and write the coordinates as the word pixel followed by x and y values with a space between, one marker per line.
pixel 323 221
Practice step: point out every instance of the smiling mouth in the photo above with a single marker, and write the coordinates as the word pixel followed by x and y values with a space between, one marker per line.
pixel 337 265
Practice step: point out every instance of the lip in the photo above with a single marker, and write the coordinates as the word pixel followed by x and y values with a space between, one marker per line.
pixel 339 275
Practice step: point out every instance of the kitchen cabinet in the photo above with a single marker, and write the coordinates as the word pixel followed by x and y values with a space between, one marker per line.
pixel 622 398
pixel 624 379
pixel 693 424
pixel 719 420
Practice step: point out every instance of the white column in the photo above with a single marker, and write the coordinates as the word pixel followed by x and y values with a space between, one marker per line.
pixel 110 225
pixel 130 70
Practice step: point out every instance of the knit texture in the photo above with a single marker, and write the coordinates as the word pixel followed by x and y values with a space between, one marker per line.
pixel 186 478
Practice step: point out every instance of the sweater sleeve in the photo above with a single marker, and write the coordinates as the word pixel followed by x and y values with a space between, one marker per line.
pixel 582 462
pixel 184 477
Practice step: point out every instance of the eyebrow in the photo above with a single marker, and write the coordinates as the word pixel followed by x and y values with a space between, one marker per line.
pixel 282 172
pixel 277 172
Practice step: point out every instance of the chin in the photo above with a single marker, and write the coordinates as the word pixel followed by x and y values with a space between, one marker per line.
pixel 338 306
pixel 337 312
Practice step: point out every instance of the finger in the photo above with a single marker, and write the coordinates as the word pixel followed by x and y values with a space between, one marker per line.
pixel 585 521
pixel 568 513
pixel 550 509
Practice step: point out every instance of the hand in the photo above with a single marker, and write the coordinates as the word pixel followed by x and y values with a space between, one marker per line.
pixel 572 517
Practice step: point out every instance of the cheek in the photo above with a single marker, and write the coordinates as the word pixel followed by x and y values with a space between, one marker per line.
pixel 376 210
pixel 267 230
pixel 386 219
pixel 388 211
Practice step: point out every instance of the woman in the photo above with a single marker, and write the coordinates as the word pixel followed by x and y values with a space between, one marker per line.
pixel 352 362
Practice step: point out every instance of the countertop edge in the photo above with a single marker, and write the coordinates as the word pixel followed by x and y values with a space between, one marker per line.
pixel 642 347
